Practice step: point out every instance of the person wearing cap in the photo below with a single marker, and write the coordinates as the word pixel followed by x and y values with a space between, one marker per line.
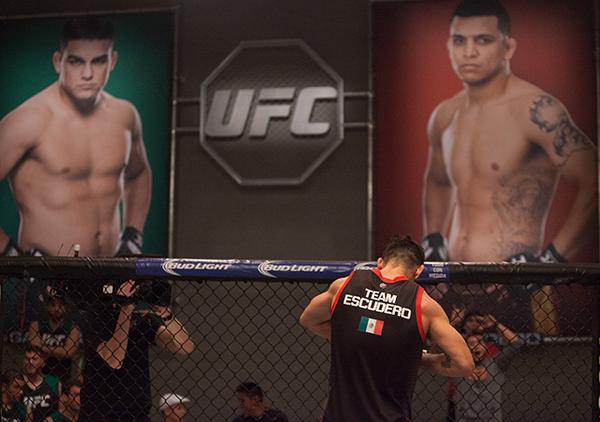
pixel 57 336
pixel 172 407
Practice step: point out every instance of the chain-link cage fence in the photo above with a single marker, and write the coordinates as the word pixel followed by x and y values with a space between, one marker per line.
pixel 202 339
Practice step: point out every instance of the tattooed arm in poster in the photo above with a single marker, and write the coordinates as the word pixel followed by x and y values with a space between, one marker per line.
pixel 574 155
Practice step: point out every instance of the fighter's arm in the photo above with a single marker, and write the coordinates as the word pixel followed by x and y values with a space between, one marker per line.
pixel 138 179
pixel 19 132
pixel 458 361
pixel 437 187
pixel 317 315
pixel 574 155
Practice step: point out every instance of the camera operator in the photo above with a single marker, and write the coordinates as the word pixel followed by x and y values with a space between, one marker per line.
pixel 117 336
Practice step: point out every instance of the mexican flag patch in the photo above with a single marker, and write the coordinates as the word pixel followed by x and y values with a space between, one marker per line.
pixel 370 325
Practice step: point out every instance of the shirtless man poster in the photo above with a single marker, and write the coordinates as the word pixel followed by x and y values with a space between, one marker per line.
pixel 498 147
pixel 85 190
pixel 73 154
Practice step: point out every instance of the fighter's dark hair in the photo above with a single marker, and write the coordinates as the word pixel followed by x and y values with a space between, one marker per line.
pixel 473 8
pixel 404 250
pixel 86 28
pixel 250 388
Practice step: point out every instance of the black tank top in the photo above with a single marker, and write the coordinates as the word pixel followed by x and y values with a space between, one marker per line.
pixel 54 366
pixel 44 399
pixel 376 343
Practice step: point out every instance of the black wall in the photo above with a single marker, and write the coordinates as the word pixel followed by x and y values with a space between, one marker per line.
pixel 326 217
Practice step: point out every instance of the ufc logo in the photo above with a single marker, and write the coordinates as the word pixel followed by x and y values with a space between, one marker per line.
pixel 35 401
pixel 271 103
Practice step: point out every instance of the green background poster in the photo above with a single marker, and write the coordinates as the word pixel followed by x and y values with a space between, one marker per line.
pixel 142 75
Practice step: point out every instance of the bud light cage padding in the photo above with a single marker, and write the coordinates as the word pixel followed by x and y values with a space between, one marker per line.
pixel 243 318
pixel 69 268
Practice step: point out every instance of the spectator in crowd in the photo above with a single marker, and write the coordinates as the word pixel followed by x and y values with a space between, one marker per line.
pixel 474 321
pixel 172 407
pixel 41 392
pixel 13 409
pixel 468 322
pixel 479 397
pixel 117 337
pixel 251 399
pixel 68 408
pixel 57 336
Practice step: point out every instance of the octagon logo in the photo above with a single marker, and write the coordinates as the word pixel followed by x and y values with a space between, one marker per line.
pixel 271 113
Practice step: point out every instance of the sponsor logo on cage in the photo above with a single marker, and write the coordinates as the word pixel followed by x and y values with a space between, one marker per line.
pixel 174 267
pixel 275 102
pixel 437 270
pixel 364 266
pixel 266 267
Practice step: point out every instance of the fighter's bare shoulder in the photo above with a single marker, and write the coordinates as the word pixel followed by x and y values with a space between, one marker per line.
pixel 523 96
pixel 443 113
pixel 29 119
pixel 428 304
pixel 337 285
pixel 119 105
pixel 123 109
pixel 539 113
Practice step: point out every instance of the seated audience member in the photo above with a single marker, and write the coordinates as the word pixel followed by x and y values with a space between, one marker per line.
pixel 172 407
pixel 13 409
pixel 479 397
pixel 254 409
pixel 41 392
pixel 68 407
pixel 469 322
pixel 57 336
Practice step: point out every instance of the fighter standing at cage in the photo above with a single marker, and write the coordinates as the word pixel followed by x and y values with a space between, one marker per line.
pixel 377 322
